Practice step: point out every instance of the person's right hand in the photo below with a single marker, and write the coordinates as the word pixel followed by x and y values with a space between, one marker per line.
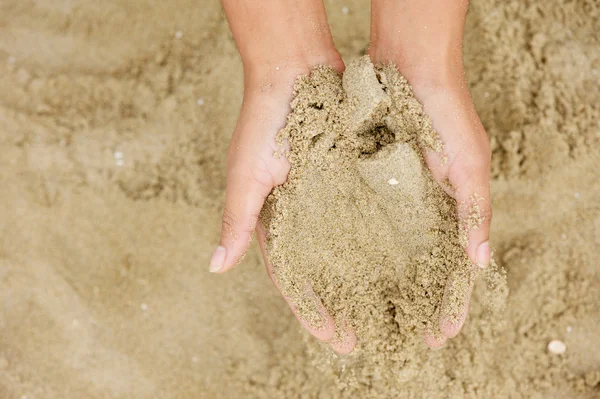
pixel 426 48
pixel 253 170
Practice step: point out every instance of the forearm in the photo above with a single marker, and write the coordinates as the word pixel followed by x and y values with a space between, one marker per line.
pixel 420 36
pixel 274 34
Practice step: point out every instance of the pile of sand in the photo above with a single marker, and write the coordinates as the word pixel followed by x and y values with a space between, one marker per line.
pixel 360 219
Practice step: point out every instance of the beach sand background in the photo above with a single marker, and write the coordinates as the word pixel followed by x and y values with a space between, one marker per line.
pixel 114 122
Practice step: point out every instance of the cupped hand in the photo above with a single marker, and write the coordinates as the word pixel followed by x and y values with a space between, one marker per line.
pixel 426 47
pixel 463 170
pixel 252 172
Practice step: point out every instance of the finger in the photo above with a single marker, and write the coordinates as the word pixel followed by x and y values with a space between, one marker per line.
pixel 434 340
pixel 322 326
pixel 463 167
pixel 253 169
pixel 475 210
pixel 455 302
pixel 244 199
pixel 344 340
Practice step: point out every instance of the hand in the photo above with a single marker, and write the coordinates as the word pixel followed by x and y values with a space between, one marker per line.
pixel 253 171
pixel 463 170
pixel 428 52
pixel 290 39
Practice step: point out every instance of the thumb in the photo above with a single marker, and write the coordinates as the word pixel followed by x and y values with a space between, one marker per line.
pixel 475 211
pixel 244 198
pixel 472 193
pixel 252 172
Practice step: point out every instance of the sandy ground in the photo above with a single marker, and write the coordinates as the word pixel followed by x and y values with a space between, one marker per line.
pixel 114 123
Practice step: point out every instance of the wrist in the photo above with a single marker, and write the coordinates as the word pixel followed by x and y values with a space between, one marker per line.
pixel 435 56
pixel 293 53
pixel 282 35
pixel 418 36
pixel 273 73
pixel 435 65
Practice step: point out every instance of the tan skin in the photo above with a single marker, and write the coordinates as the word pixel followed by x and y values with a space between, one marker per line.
pixel 279 40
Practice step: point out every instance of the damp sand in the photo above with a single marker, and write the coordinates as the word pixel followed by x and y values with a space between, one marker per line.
pixel 361 221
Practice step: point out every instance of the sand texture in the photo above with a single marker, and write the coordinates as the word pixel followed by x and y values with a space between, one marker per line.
pixel 115 118
pixel 361 222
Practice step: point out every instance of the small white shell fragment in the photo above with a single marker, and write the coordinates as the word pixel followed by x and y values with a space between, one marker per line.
pixel 178 34
pixel 200 101
pixel 118 155
pixel 557 347
pixel 393 181
pixel 345 10
pixel 120 162
pixel 577 195
pixel 144 307
pixel 569 329
pixel 486 94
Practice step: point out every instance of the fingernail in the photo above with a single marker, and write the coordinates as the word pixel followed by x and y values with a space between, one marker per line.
pixel 483 255
pixel 217 260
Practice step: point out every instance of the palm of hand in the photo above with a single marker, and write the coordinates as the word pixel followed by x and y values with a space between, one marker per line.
pixel 462 169
pixel 253 171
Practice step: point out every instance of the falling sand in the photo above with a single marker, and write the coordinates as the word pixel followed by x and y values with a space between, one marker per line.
pixel 113 138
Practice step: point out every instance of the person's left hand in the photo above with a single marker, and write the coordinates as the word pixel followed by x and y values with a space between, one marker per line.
pixel 462 169
pixel 465 175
